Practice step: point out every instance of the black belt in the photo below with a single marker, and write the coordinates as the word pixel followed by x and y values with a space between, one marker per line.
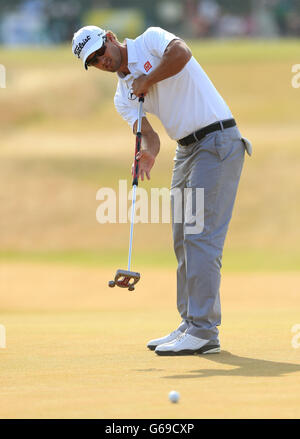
pixel 198 135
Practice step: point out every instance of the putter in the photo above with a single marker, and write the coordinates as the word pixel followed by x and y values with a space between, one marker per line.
pixel 127 278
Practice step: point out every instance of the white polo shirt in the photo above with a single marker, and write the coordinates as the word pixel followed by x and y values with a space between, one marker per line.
pixel 184 102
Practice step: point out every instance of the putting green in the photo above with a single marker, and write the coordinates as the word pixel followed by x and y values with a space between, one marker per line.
pixel 76 349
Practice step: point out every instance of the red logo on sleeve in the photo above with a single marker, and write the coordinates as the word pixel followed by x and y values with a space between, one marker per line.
pixel 147 66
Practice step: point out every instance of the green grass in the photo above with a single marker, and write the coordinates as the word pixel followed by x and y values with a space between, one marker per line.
pixel 246 51
pixel 247 260
pixel 216 51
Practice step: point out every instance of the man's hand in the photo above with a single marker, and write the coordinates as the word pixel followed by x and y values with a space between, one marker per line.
pixel 140 85
pixel 146 162
pixel 149 150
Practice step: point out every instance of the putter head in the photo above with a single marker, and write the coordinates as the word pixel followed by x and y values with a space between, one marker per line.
pixel 125 279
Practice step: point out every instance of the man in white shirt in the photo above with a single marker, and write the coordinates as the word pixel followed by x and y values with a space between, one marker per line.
pixel 210 155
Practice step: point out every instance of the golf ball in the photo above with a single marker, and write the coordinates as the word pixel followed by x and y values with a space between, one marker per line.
pixel 174 396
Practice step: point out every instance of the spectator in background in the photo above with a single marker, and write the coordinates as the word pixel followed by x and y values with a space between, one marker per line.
pixel 286 17
pixel 24 25
pixel 206 19
pixel 40 22
pixel 281 11
pixel 233 26
pixel 62 18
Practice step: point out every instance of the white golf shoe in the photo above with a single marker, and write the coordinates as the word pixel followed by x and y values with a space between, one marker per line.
pixel 186 344
pixel 166 339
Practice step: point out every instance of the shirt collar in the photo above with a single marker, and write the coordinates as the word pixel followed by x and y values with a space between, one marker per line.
pixel 131 55
pixel 131 52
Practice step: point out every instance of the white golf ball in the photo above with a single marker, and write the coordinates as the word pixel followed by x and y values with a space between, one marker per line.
pixel 174 396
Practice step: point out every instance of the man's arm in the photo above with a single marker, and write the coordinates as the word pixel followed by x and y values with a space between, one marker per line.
pixel 150 148
pixel 175 57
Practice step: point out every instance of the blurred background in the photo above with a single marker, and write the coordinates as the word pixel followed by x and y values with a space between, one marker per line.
pixel 76 348
pixel 45 22
pixel 62 140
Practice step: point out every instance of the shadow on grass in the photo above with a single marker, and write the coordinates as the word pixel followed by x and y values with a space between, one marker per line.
pixel 249 367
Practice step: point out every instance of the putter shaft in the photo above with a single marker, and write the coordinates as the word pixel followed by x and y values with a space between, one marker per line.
pixel 135 177
pixel 131 224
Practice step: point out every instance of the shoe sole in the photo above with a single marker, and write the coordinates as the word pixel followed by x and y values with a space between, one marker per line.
pixel 213 349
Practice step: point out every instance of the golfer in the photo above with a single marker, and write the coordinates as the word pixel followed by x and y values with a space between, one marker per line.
pixel 209 156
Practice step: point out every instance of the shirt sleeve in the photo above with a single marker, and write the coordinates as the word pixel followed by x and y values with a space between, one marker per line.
pixel 157 39
pixel 127 108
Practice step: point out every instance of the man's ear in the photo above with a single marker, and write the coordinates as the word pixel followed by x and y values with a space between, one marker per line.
pixel 111 36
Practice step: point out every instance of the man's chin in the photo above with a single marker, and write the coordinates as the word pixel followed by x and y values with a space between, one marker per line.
pixel 111 68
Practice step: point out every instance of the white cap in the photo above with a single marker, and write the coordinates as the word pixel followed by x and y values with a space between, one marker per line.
pixel 87 40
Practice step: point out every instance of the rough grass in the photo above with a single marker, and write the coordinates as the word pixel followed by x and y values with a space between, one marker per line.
pixel 62 140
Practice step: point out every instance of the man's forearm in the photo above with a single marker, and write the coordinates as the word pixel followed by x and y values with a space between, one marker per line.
pixel 175 58
pixel 149 150
pixel 150 139
pixel 151 143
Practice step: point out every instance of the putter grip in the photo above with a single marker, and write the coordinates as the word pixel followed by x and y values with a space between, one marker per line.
pixel 138 144
pixel 136 162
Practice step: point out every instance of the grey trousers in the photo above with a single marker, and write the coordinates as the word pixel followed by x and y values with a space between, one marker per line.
pixel 214 164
